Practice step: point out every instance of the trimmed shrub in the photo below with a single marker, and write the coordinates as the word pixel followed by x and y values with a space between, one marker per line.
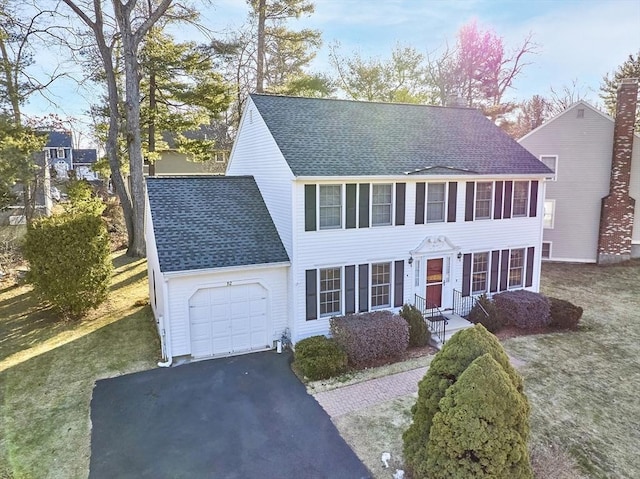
pixel 564 315
pixel 367 337
pixel 83 199
pixel 318 357
pixel 481 428
pixel 523 309
pixel 419 334
pixel 70 264
pixel 492 320
pixel 447 365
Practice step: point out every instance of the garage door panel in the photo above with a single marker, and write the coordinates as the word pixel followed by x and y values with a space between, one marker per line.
pixel 229 319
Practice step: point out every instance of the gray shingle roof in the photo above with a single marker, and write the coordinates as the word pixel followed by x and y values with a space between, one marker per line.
pixel 85 155
pixel 58 139
pixel 323 137
pixel 211 222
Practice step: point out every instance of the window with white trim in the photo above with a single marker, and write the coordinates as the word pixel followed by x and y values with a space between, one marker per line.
pixel 549 213
pixel 330 291
pixel 480 273
pixel 546 249
pixel 551 162
pixel 330 207
pixel 484 196
pixel 417 273
pixel 381 204
pixel 436 194
pixel 380 285
pixel 516 268
pixel 60 153
pixel 520 198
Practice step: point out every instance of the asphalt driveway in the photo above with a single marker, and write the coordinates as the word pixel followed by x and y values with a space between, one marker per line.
pixel 240 417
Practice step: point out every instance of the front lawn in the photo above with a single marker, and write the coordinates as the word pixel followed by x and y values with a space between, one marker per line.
pixel 583 385
pixel 48 368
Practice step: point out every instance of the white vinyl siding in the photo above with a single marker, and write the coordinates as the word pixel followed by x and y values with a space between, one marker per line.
pixel 436 202
pixel 381 204
pixel 380 285
pixel 330 207
pixel 484 196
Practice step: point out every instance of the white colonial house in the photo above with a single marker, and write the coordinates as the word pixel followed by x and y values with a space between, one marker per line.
pixel 331 207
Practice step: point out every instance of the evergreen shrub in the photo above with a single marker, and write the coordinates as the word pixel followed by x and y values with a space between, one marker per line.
pixel 70 264
pixel 523 309
pixel 318 357
pixel 564 315
pixel 419 334
pixel 492 320
pixel 445 368
pixel 481 427
pixel 368 337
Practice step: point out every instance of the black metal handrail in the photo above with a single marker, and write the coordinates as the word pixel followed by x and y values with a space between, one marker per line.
pixel 462 305
pixel 436 321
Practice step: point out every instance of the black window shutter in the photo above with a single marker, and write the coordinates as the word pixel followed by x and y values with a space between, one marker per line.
pixel 508 191
pixel 312 294
pixel 363 287
pixel 469 201
pixel 466 274
pixel 401 189
pixel 452 202
pixel 504 270
pixel 309 207
pixel 350 289
pixel 420 198
pixel 351 205
pixel 497 202
pixel 533 204
pixel 529 274
pixel 398 283
pixel 364 205
pixel 495 270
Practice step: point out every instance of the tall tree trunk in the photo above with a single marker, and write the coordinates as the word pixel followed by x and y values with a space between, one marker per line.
pixel 262 12
pixel 152 121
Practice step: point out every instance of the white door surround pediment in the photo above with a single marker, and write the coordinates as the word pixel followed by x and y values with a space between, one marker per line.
pixel 434 244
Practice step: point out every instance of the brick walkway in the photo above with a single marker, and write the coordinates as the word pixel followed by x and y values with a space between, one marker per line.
pixel 359 396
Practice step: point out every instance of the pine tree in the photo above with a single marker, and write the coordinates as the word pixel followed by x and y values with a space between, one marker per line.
pixel 609 86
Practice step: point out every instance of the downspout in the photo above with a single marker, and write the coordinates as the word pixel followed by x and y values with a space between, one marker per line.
pixel 165 338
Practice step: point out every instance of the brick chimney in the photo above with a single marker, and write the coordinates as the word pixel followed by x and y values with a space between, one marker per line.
pixel 616 215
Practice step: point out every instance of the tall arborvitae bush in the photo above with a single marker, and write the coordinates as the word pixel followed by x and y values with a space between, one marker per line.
pixel 481 427
pixel 70 264
pixel 448 364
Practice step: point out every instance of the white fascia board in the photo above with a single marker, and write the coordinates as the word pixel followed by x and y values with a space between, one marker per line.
pixel 200 272
pixel 462 177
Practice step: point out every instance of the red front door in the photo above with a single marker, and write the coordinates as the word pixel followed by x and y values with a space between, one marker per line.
pixel 434 282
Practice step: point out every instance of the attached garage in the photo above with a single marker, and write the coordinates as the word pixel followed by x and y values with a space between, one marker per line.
pixel 228 320
pixel 217 268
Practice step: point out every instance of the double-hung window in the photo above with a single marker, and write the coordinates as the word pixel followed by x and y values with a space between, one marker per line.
pixel 549 212
pixel 60 153
pixel 484 193
pixel 480 274
pixel 435 202
pixel 551 161
pixel 330 207
pixel 381 204
pixel 516 268
pixel 330 291
pixel 380 285
pixel 520 198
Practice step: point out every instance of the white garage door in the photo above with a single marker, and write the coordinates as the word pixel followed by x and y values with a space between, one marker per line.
pixel 228 319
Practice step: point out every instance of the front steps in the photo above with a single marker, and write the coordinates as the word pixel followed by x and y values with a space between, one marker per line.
pixel 455 323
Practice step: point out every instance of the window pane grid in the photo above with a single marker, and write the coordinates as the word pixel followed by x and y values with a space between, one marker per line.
pixel 330 291
pixel 435 202
pixel 330 206
pixel 480 272
pixel 516 267
pixel 520 198
pixel 484 192
pixel 380 285
pixel 381 204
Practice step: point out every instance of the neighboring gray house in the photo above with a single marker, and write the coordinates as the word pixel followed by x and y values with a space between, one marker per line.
pixel 62 157
pixel 331 207
pixel 578 144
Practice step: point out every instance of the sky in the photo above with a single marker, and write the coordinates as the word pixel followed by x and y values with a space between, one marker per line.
pixel 578 40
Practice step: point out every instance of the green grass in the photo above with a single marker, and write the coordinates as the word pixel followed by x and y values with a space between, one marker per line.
pixel 48 369
pixel 583 386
